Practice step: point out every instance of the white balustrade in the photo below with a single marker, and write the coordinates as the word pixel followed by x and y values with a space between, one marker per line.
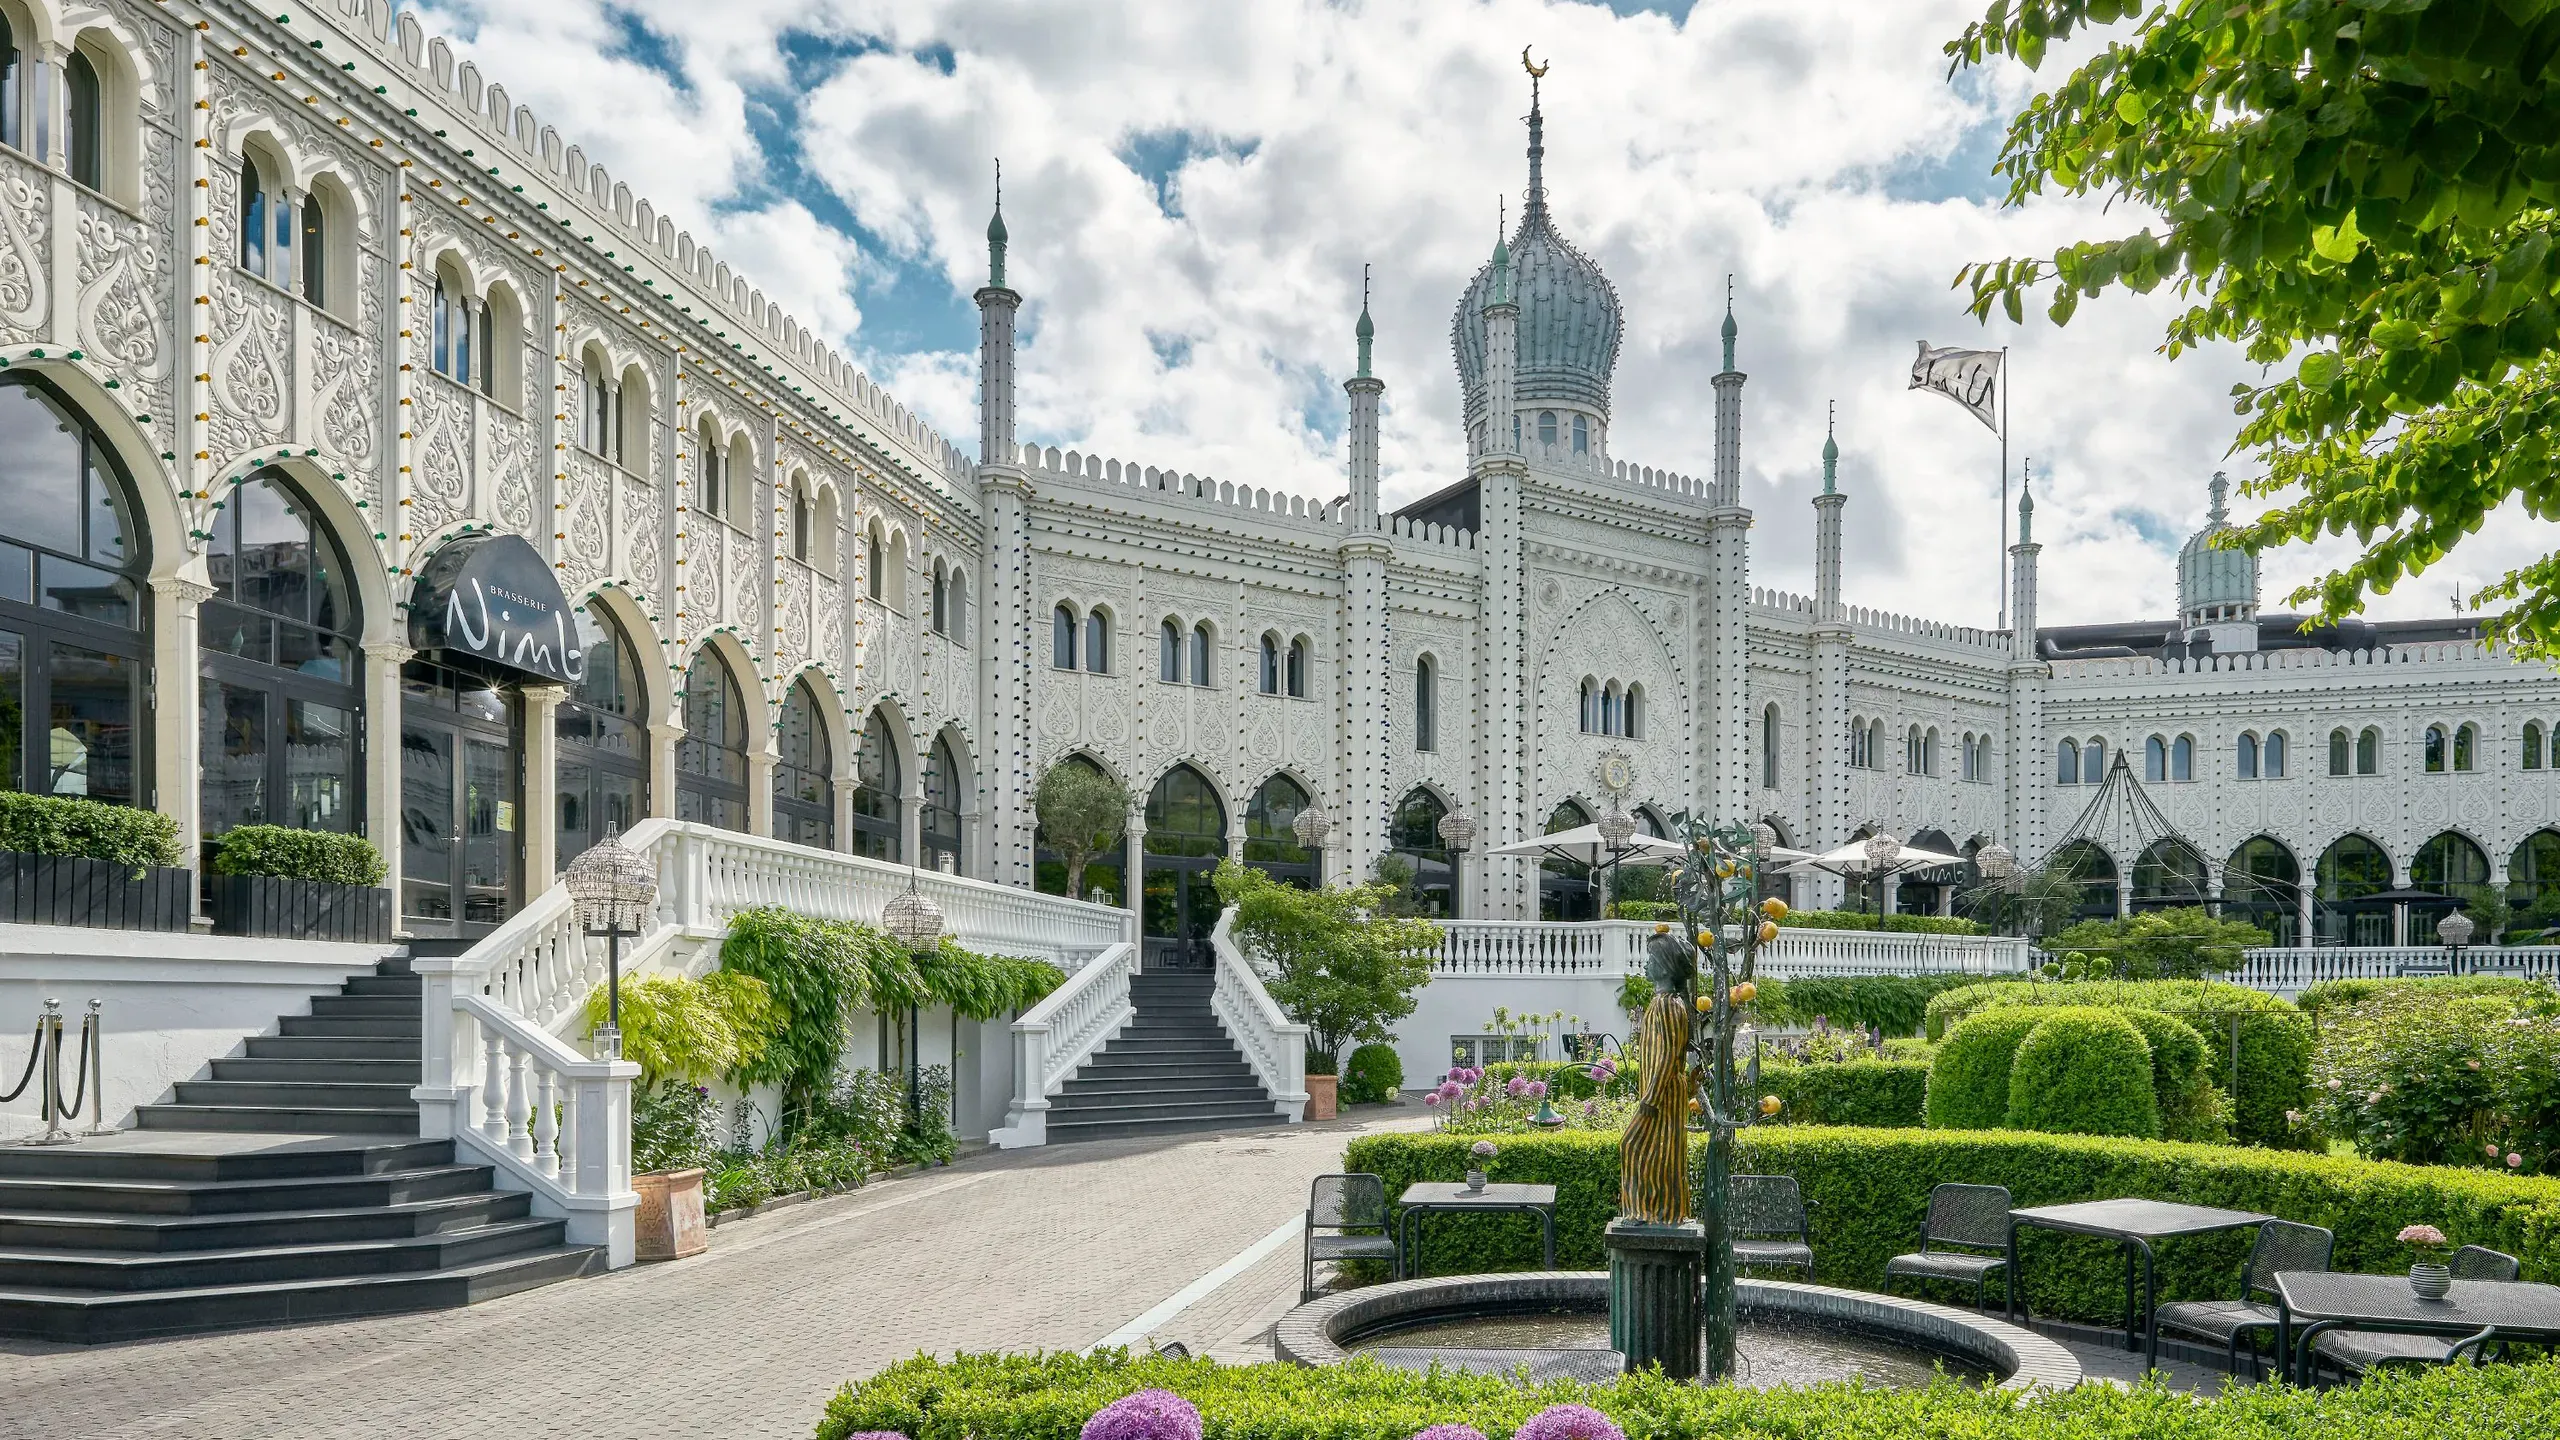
pixel 556 1121
pixel 1802 952
pixel 1564 949
pixel 1274 1045
pixel 2289 971
pixel 1054 1038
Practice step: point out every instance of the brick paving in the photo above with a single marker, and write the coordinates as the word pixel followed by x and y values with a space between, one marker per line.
pixel 1052 1248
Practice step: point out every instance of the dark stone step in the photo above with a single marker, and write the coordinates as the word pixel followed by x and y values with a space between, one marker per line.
pixel 296 1094
pixel 1195 1097
pixel 1125 1044
pixel 1144 1029
pixel 279 1119
pixel 208 1159
pixel 368 1007
pixel 240 1197
pixel 1067 1132
pixel 333 1047
pixel 91 1317
pixel 387 987
pixel 1115 1083
pixel 1148 1108
pixel 180 1234
pixel 22 1270
pixel 321 1071
pixel 368 1027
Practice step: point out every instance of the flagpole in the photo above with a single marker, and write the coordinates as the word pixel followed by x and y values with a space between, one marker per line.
pixel 2003 565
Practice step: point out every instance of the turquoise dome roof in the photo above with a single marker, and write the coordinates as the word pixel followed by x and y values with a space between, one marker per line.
pixel 1569 317
pixel 2209 575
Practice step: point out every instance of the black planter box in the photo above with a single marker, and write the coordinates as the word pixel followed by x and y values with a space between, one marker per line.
pixel 93 894
pixel 298 909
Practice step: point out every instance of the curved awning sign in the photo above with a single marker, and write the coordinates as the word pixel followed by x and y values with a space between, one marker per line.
pixel 493 597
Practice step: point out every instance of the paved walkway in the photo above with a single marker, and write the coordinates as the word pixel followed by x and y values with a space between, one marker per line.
pixel 1053 1248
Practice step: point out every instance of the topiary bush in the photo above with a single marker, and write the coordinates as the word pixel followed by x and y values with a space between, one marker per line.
pixel 1897 1004
pixel 1854 1092
pixel 1372 1076
pixel 291 854
pixel 68 825
pixel 2190 1108
pixel 1969 1078
pixel 2083 1071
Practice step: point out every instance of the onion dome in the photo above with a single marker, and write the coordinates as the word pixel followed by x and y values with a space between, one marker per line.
pixel 2215 584
pixel 1569 316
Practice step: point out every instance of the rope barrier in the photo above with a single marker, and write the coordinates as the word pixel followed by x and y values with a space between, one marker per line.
pixel 80 1068
pixel 44 1057
pixel 35 1052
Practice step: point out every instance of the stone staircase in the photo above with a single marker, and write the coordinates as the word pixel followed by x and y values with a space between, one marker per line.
pixel 291 1186
pixel 1173 1068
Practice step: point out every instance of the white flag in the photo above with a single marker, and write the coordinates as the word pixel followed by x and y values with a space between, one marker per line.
pixel 1971 378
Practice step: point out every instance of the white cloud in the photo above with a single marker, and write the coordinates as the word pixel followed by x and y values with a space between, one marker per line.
pixel 1203 321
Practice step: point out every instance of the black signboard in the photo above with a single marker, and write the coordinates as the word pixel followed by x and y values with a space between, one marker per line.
pixel 493 597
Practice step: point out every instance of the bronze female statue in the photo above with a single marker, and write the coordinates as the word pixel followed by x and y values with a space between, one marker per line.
pixel 1653 1152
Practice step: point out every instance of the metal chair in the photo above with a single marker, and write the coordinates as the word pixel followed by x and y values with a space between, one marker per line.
pixel 1973 1216
pixel 1765 1216
pixel 2356 1351
pixel 1344 1204
pixel 2281 1245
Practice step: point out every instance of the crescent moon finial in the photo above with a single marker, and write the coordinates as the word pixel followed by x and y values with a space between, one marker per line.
pixel 1536 71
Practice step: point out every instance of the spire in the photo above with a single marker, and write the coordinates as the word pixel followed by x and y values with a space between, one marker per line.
pixel 1364 332
pixel 1537 139
pixel 2220 489
pixel 1501 253
pixel 2027 501
pixel 1830 442
pixel 996 236
pixel 1729 329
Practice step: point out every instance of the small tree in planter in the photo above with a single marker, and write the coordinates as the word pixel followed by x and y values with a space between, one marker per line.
pixel 1083 813
pixel 1332 958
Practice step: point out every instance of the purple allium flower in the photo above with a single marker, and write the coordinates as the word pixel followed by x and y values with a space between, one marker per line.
pixel 1146 1415
pixel 1599 1076
pixel 876 1435
pixel 1568 1422
pixel 1517 1088
pixel 1432 1099
pixel 1449 1432
pixel 1537 1089
pixel 1591 1109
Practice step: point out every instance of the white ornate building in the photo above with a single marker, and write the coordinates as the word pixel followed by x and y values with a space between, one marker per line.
pixel 292 305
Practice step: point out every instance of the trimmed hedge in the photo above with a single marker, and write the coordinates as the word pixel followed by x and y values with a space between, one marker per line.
pixel 67 825
pixel 1969 1078
pixel 1051 1396
pixel 1854 1092
pixel 1868 1190
pixel 2190 1108
pixel 1372 1075
pixel 2275 1038
pixel 1898 1004
pixel 298 855
pixel 2320 1000
pixel 1889 924
pixel 2083 1071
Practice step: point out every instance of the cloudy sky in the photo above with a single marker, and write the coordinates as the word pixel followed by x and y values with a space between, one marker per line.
pixel 1193 186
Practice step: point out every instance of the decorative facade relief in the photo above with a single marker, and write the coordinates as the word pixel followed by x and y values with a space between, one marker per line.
pixel 26 247
pixel 586 551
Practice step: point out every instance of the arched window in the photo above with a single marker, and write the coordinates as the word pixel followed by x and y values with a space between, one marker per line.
pixel 1581 435
pixel 1609 724
pixel 957 600
pixel 944 783
pixel 1547 427
pixel 2275 755
pixel 873 573
pixel 2466 748
pixel 804 782
pixel 2450 864
pixel 2532 759
pixel 487 345
pixel 1097 641
pixel 2155 759
pixel 1186 838
pixel 2088 863
pixel 2435 749
pixel 1565 891
pixel 1201 673
pixel 2066 762
pixel 2349 872
pixel 2262 885
pixel 631 411
pixel 710 491
pixel 801 539
pixel 1270 837
pixel 879 786
pixel 711 759
pixel 74 661
pixel 2182 758
pixel 1635 713
pixel 1062 638
pixel 1426 706
pixel 1169 652
pixel 596 430
pixel 281 684
pixel 2338 752
pixel 1875 743
pixel 2093 761
pixel 2533 879
pixel 2369 751
pixel 253 216
pixel 84 140
pixel 1103 873
pixel 12 65
pixel 2245 762
pixel 1590 703
pixel 1298 668
pixel 602 769
pixel 1270 673
pixel 2170 875
pixel 1769 748
pixel 1861 753
pixel 1929 752
pixel 1413 835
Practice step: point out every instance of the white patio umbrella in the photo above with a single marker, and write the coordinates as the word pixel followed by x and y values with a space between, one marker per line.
pixel 1851 859
pixel 1583 845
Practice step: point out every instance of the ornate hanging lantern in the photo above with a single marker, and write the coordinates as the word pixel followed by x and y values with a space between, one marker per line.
pixel 1311 827
pixel 1996 861
pixel 912 919
pixel 1882 850
pixel 1458 830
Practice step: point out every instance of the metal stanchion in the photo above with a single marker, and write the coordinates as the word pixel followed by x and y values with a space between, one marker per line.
pixel 50 1096
pixel 93 1043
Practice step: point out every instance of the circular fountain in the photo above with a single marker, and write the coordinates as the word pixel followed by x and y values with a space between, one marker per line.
pixel 1556 1323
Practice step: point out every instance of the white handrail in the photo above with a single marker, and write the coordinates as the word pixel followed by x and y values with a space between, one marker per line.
pixel 1273 1044
pixel 1054 1038
pixel 554 1122
pixel 1610 948
pixel 2286 970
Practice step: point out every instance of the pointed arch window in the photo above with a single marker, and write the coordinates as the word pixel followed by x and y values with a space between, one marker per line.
pixel 1270 837
pixel 2066 763
pixel 2466 749
pixel 879 786
pixel 709 492
pixel 1169 653
pixel 2182 758
pixel 1414 835
pixel 1634 716
pixel 1590 703
pixel 315 252
pixel 804 781
pixel 1201 673
pixel 941 598
pixel 1062 636
pixel 800 531
pixel 2245 761
pixel 1581 435
pixel 1270 675
pixel 1547 427
pixel 253 215
pixel 1097 642
pixel 711 759
pixel 939 821
pixel 84 140
pixel 2435 750
pixel 873 571
pixel 602 770
pixel 1298 668
pixel 2093 762
pixel 2532 759
pixel 2155 760
pixel 2274 754
pixel 1426 706
pixel 2369 751
pixel 2339 762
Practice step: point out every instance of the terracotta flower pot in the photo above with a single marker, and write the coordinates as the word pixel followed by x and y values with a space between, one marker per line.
pixel 669 1221
pixel 1321 1093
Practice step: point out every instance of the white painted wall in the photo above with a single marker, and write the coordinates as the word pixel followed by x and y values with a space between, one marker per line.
pixel 1463 1005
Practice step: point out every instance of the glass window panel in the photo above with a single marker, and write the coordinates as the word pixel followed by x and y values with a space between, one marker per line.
pixel 17 575
pixel 2275 756
pixel 273 564
pixel 487 849
pixel 303 649
pixel 482 703
pixel 320 762
pixel 13 710
pixel 90 736
pixel 1201 674
pixel 40 468
pixel 253 219
pixel 85 591
pixel 229 630
pixel 107 529
pixel 234 744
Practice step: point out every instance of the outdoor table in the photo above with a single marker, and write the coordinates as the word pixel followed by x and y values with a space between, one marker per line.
pixel 1419 1200
pixel 2134 1224
pixel 2516 1309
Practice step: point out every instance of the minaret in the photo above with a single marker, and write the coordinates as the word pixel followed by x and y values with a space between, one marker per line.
pixel 1004 586
pixel 1502 747
pixel 1828 725
pixel 2022 816
pixel 1363 709
pixel 1725 611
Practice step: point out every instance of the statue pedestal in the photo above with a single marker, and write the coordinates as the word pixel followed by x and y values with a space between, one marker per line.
pixel 1653 1294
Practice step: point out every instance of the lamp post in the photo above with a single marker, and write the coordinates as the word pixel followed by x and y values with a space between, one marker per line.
pixel 2455 930
pixel 1310 827
pixel 1616 829
pixel 1881 851
pixel 1998 864
pixel 913 920
pixel 1458 832
pixel 613 887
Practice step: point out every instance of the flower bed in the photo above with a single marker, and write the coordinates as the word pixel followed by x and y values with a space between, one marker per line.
pixel 1053 1396
pixel 1868 1189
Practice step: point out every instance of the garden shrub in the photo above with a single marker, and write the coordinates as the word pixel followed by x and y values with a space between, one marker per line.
pixel 1854 1092
pixel 2323 998
pixel 1372 1076
pixel 2469 1081
pixel 2275 1038
pixel 2186 943
pixel 1050 1396
pixel 2083 1071
pixel 1969 1079
pixel 68 825
pixel 2190 1108
pixel 687 1031
pixel 1650 910
pixel 1334 959
pixel 1889 924
pixel 298 855
pixel 1896 1004
pixel 1868 1190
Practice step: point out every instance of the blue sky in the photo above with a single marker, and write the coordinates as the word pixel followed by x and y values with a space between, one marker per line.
pixel 1192 189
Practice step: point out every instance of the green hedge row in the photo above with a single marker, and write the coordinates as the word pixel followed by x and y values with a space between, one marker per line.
pixel 2275 1038
pixel 2321 1000
pixel 1891 924
pixel 1854 1092
pixel 65 825
pixel 1898 1004
pixel 298 855
pixel 1051 1396
pixel 1868 1190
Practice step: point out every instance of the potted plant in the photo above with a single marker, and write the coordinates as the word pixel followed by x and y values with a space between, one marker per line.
pixel 298 885
pixel 2429 1277
pixel 71 861
pixel 682 1032
pixel 1324 1087
pixel 1480 1155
